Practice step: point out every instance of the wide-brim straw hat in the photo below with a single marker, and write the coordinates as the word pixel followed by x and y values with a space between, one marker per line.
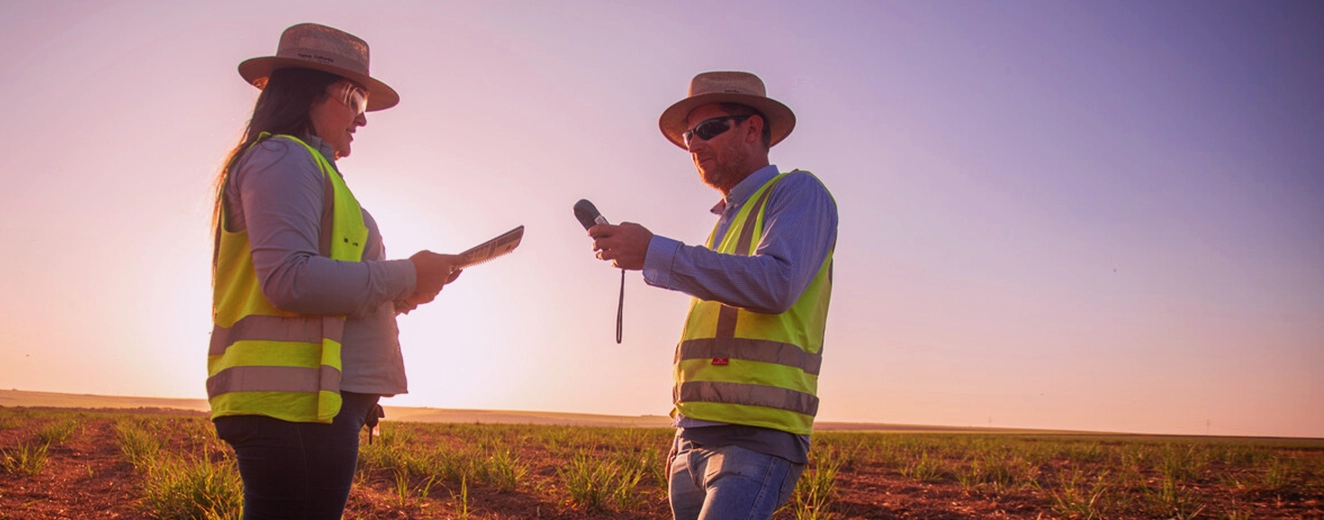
pixel 727 87
pixel 318 47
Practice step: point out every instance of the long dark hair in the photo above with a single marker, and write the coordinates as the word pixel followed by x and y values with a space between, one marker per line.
pixel 283 107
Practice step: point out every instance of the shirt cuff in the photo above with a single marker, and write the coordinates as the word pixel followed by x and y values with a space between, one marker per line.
pixel 657 264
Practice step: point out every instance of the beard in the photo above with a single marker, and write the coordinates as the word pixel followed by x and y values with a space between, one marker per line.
pixel 725 175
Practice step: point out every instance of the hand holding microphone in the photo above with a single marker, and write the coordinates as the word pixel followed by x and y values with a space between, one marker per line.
pixel 625 245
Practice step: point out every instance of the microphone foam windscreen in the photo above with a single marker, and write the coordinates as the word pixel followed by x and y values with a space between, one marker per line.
pixel 586 213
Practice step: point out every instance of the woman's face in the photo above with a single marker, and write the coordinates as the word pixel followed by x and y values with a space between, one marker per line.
pixel 339 114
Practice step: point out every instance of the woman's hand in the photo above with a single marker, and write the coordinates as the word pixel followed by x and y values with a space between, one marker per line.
pixel 433 271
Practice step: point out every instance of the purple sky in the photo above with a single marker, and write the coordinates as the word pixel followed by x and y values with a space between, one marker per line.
pixel 1076 215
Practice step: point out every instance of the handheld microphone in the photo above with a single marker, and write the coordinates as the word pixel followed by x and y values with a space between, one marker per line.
pixel 588 214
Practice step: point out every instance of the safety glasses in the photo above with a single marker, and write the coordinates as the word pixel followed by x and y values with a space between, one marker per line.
pixel 353 96
pixel 710 128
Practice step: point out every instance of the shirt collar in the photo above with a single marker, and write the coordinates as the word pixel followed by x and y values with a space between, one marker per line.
pixel 747 187
pixel 323 147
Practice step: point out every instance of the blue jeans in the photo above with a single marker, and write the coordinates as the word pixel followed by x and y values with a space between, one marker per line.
pixel 297 470
pixel 728 482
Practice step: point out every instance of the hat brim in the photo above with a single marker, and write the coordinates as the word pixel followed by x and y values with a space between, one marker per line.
pixel 380 95
pixel 780 117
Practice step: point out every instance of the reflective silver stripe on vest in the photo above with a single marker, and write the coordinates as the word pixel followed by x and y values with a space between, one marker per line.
pixel 256 327
pixel 754 395
pixel 761 350
pixel 726 314
pixel 751 220
pixel 274 379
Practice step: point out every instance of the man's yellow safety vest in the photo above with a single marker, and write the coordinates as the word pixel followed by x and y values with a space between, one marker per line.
pixel 266 361
pixel 742 367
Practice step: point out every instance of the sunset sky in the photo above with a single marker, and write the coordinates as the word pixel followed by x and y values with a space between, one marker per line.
pixel 1074 215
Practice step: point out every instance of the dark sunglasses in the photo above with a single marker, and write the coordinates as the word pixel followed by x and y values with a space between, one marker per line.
pixel 710 128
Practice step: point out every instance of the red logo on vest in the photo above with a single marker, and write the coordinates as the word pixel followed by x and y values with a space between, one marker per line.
pixel 721 361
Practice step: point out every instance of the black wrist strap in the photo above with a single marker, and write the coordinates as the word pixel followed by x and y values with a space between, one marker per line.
pixel 620 309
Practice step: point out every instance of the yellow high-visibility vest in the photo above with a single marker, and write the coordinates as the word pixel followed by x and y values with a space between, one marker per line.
pixel 743 367
pixel 266 361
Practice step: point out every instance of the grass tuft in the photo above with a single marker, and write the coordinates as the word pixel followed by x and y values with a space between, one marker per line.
pixel 181 489
pixel 26 459
pixel 594 484
pixel 139 447
pixel 815 492
pixel 1076 498
pixel 201 484
pixel 57 432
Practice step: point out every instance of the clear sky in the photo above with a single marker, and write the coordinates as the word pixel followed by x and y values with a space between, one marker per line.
pixel 1078 215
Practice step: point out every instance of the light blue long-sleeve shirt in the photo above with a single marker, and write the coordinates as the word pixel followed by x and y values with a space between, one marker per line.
pixel 800 228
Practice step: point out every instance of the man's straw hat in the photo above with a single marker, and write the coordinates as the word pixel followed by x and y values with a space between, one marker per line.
pixel 727 87
pixel 313 46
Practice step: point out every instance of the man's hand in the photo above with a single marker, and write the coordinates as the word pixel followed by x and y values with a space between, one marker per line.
pixel 625 245
pixel 433 271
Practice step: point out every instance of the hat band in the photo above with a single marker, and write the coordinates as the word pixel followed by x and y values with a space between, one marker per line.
pixel 320 56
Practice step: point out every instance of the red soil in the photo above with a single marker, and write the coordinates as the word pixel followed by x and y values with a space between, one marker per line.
pixel 86 477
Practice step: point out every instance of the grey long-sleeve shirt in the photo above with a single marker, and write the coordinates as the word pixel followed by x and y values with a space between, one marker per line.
pixel 275 192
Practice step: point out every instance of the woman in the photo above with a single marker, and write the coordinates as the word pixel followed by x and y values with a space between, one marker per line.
pixel 304 302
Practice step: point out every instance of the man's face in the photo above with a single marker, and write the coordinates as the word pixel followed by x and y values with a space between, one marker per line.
pixel 721 160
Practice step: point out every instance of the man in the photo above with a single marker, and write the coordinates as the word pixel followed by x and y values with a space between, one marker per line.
pixel 747 365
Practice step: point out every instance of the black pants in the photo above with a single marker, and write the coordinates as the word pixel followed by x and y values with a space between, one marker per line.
pixel 295 470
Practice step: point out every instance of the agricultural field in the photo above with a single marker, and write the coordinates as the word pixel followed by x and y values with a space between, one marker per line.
pixel 62 463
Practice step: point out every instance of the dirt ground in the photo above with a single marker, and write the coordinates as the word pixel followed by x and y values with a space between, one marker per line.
pixel 86 477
